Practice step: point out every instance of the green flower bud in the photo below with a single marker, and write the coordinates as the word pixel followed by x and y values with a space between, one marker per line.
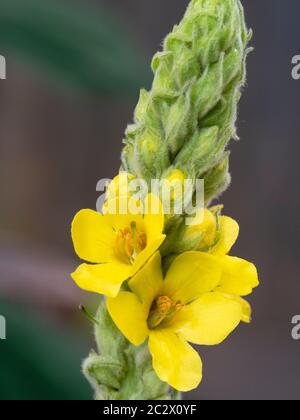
pixel 176 190
pixel 199 236
pixel 202 235
pixel 217 180
pixel 188 116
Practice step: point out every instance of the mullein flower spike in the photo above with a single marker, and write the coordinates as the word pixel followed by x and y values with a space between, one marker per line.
pixel 168 283
pixel 188 117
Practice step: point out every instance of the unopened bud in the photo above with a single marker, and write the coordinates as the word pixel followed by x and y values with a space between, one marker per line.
pixel 200 236
pixel 119 186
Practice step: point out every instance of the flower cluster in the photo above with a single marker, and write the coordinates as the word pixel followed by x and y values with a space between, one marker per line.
pixel 170 284
pixel 196 298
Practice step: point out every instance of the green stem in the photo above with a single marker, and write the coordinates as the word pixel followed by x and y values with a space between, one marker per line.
pixel 119 370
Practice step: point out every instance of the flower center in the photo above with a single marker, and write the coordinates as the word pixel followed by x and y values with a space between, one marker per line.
pixel 162 311
pixel 130 242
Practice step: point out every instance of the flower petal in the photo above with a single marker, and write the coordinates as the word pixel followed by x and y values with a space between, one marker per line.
pixel 147 253
pixel 175 361
pixel 92 237
pixel 105 279
pixel 209 320
pixel 246 308
pixel 129 316
pixel 153 217
pixel 192 274
pixel 148 282
pixel 120 212
pixel 239 277
pixel 228 236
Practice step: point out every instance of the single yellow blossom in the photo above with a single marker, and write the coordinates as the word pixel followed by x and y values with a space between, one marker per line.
pixel 239 277
pixel 117 243
pixel 183 308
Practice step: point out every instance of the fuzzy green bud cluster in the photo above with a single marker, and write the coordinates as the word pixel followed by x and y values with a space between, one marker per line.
pixel 188 117
pixel 119 370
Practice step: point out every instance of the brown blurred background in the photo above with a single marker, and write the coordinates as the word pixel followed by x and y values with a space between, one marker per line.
pixel 63 109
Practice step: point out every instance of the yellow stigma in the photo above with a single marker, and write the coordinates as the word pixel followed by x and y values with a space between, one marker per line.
pixel 162 311
pixel 130 242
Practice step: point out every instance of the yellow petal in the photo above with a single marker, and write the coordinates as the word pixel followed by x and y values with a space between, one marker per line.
pixel 148 282
pixel 153 217
pixel 209 320
pixel 239 277
pixel 93 238
pixel 228 236
pixel 120 212
pixel 105 279
pixel 175 361
pixel 129 316
pixel 246 307
pixel 147 253
pixel 192 274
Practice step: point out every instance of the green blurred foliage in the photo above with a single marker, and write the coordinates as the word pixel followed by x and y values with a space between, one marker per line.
pixel 39 361
pixel 80 46
pixel 73 46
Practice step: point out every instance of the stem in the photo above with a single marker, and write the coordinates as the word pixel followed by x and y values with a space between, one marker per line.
pixel 119 370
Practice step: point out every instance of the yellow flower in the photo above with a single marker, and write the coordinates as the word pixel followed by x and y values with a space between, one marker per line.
pixel 184 308
pixel 239 277
pixel 217 235
pixel 117 243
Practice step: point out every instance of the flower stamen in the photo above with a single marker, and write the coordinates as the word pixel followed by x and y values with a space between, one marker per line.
pixel 130 241
pixel 163 310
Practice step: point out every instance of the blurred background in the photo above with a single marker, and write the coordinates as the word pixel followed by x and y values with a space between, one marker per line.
pixel 74 69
